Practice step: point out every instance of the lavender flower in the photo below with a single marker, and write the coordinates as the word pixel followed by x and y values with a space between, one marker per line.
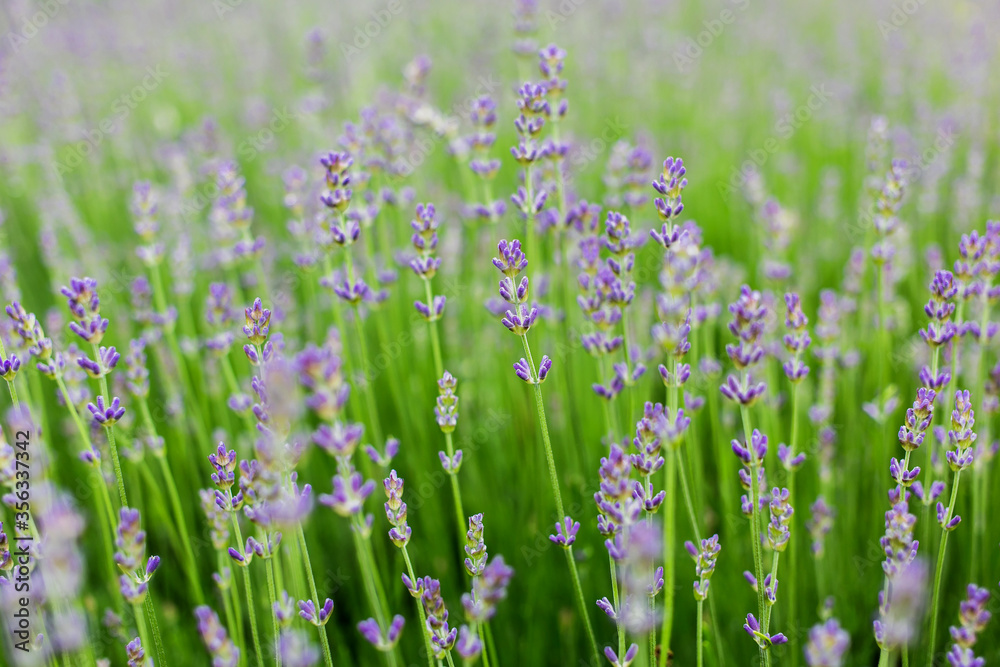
pixel 704 557
pixel 511 263
pixel 443 636
pixel 84 303
pixel 426 264
pixel 489 588
pixel 972 617
pixel 566 531
pixel 827 645
pixel 224 653
pixel 296 650
pixel 446 411
pixel 131 557
pixel 106 415
pixel 670 184
pixel 797 339
pixel 748 327
pixel 940 308
pixel 371 631
pixel 960 435
pixel 395 510
pixel 135 653
pixel 626 659
pixel 763 639
pixel 820 525
pixel 778 530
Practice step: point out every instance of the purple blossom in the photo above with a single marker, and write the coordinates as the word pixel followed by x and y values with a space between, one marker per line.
pixel 224 653
pixel 566 531
pixel 827 645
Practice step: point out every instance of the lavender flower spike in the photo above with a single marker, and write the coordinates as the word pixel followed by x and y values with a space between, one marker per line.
pixel 827 645
pixel 224 653
pixel 626 659
pixel 566 531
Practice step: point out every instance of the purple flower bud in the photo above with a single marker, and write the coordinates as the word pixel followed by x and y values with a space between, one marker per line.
pixel 566 531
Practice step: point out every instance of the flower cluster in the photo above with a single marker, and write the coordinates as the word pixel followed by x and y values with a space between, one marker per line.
pixel 131 557
pixel 426 264
pixel 705 557
pixel 748 326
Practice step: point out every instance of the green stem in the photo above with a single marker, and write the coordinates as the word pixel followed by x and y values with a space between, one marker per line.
pixel 274 616
pixel 249 594
pixel 554 481
pixel 698 636
pixel 758 559
pixel 111 430
pixel 420 611
pixel 327 658
pixel 157 639
pixel 938 569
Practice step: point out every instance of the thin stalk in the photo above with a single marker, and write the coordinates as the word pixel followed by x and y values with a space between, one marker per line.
pixel 160 299
pixel 327 658
pixel 157 640
pixel 554 481
pixel 140 624
pixel 111 431
pixel 455 492
pixel 432 325
pixel 669 523
pixel 175 503
pixel 792 551
pixel 420 611
pixel 758 559
pixel 698 639
pixel 249 594
pixel 273 599
pixel 227 605
pixel 935 599
pixel 616 598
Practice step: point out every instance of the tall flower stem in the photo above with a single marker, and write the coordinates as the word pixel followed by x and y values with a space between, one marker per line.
pixel 669 522
pixel 554 481
pixel 938 569
pixel 449 442
pixel 140 624
pixel 273 600
pixel 111 432
pixel 792 550
pixel 369 390
pixel 175 504
pixel 157 639
pixel 979 472
pixel 698 633
pixel 420 612
pixel 249 594
pixel 231 605
pixel 758 558
pixel 160 299
pixel 368 578
pixel 304 549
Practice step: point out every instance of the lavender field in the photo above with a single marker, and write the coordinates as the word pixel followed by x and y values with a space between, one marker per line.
pixel 529 332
